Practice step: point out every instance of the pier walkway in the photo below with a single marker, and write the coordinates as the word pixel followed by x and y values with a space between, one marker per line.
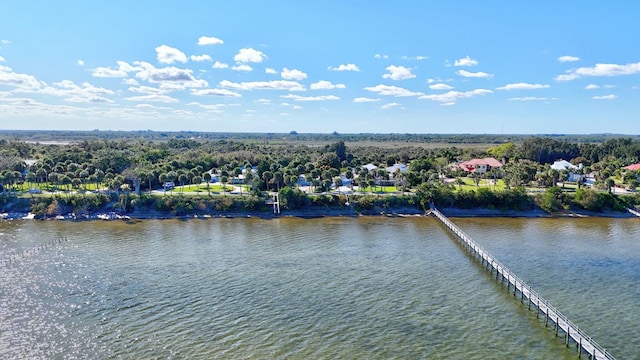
pixel 583 342
pixel 634 212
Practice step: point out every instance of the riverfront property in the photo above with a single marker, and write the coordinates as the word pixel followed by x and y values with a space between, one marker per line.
pixel 321 288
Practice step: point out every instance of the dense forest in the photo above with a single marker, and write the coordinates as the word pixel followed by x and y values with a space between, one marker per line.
pixel 129 164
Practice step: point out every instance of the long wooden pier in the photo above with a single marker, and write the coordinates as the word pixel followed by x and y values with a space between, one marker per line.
pixel 583 342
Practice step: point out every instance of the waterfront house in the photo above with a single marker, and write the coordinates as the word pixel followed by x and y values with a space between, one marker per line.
pixel 633 167
pixel 564 165
pixel 480 166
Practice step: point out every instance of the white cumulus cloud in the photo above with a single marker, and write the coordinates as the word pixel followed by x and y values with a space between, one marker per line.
pixel 212 107
pixel 199 58
pixel 215 92
pixel 440 86
pixel 398 73
pixel 209 40
pixel 452 96
pixel 419 57
pixel 469 74
pixel 242 67
pixel 310 98
pixel 568 58
pixel 326 85
pixel 169 77
pixel 364 100
pixel 219 65
pixel 466 61
pixel 133 82
pixel 249 55
pixel 123 70
pixel 146 90
pixel 263 85
pixel 270 71
pixel 389 90
pixel 293 74
pixel 296 107
pixel 592 87
pixel 523 86
pixel 390 106
pixel 344 67
pixel 153 98
pixel 381 56
pixel 84 93
pixel 23 81
pixel 605 97
pixel 168 55
pixel 600 70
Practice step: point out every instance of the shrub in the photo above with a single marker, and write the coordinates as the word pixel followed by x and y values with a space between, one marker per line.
pixel 293 198
pixel 552 200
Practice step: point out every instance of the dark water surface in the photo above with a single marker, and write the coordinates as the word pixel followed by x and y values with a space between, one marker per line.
pixel 374 288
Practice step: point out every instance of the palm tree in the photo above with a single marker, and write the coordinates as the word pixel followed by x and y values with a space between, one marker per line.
pixel 41 175
pixel 163 179
pixel 278 177
pixel 84 174
pixel 610 183
pixel 99 176
pixel 371 183
pixel 182 178
pixel 207 177
pixel 554 174
pixel 223 180
pixel 93 179
pixel 196 180
pixel 562 177
pixel 267 176
pixel 31 178
pixel 53 179
pixel 349 175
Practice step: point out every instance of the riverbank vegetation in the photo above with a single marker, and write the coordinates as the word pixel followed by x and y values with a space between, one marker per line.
pixel 89 172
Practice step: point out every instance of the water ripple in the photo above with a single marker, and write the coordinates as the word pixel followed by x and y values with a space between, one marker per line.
pixel 293 288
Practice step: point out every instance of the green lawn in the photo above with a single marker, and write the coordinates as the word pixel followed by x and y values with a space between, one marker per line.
pixel 470 184
pixel 202 188
pixel 380 189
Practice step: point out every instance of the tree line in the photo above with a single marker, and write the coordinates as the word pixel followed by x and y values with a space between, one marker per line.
pixel 123 165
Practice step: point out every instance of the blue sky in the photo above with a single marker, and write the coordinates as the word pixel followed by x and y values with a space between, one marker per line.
pixel 321 66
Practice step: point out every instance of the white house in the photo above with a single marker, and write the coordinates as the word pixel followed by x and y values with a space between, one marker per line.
pixel 564 165
pixel 370 167
pixel 399 166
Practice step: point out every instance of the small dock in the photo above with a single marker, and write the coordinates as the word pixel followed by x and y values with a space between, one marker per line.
pixel 275 202
pixel 583 342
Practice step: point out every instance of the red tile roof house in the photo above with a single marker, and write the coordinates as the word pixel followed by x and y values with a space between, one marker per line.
pixel 633 167
pixel 480 166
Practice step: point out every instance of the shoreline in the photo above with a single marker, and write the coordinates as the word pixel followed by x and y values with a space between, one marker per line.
pixel 323 212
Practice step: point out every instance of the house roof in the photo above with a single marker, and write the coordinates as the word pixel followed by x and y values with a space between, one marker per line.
pixel 486 161
pixel 370 167
pixel 392 169
pixel 563 165
pixel 633 167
